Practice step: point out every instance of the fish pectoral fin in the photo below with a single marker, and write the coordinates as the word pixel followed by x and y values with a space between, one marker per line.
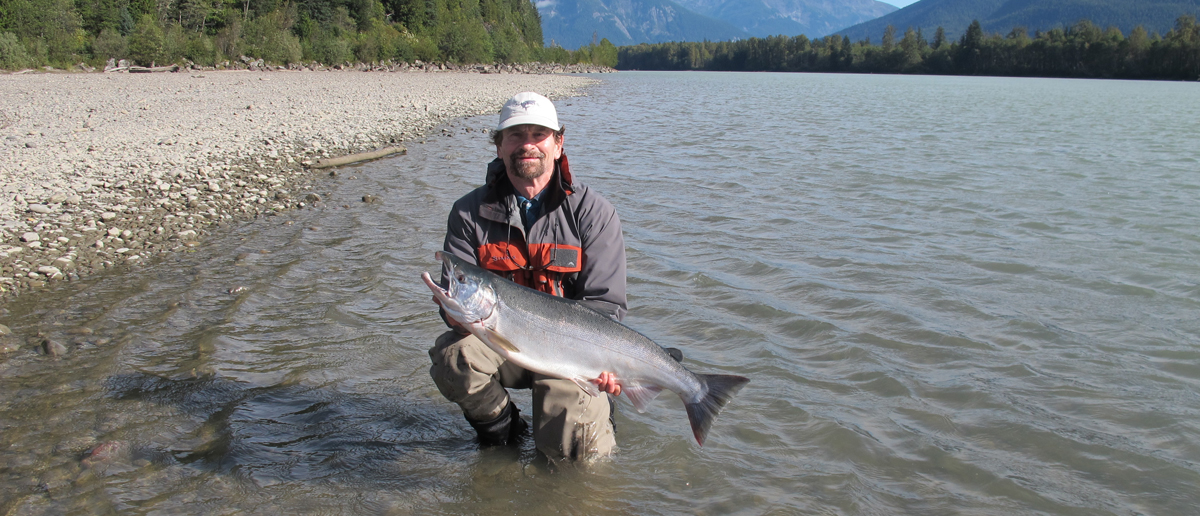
pixel 586 385
pixel 503 343
pixel 641 394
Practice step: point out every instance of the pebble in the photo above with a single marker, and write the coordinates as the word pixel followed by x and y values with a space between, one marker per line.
pixel 54 348
pixel 104 453
pixel 186 151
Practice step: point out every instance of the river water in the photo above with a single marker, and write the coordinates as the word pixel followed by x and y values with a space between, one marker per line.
pixel 953 295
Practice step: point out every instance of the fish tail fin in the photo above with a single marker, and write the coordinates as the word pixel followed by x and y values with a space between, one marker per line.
pixel 719 389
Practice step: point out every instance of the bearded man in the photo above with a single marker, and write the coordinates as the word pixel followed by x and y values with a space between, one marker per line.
pixel 534 224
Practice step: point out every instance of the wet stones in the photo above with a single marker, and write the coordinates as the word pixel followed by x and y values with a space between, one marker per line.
pixel 8 342
pixel 53 347
pixel 104 453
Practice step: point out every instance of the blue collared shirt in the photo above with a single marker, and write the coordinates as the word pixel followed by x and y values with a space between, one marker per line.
pixel 531 209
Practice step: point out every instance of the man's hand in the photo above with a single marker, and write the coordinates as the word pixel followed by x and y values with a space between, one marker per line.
pixel 608 383
pixel 454 325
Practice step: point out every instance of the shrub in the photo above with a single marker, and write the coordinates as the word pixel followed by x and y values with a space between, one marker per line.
pixel 425 48
pixel 554 54
pixel 270 37
pixel 146 41
pixel 327 48
pixel 62 31
pixel 381 42
pixel 202 51
pixel 229 38
pixel 175 43
pixel 110 44
pixel 508 45
pixel 13 55
pixel 463 39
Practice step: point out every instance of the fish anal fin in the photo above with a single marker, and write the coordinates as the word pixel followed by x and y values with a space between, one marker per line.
pixel 641 394
pixel 586 385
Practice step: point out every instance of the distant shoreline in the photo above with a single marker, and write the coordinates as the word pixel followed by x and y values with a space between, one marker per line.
pixel 100 171
pixel 1081 51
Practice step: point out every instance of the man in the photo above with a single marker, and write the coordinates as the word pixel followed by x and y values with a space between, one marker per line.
pixel 532 223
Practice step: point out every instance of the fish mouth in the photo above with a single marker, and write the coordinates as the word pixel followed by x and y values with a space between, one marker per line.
pixel 441 294
pixel 437 289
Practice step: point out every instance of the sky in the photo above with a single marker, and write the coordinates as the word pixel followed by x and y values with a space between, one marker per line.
pixel 899 3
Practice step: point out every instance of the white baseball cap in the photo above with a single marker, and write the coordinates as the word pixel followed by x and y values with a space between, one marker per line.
pixel 528 108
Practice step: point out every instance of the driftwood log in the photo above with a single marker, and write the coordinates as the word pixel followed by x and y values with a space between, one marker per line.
pixel 358 158
pixel 142 69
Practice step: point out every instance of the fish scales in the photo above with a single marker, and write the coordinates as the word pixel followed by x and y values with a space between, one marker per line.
pixel 546 318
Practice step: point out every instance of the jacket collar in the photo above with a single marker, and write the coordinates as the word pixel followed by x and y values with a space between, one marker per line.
pixel 500 193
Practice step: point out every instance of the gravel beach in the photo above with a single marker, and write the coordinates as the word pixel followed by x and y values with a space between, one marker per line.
pixel 108 170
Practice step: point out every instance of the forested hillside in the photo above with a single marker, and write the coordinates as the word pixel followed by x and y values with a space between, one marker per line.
pixel 206 32
pixel 1081 50
pixel 1034 15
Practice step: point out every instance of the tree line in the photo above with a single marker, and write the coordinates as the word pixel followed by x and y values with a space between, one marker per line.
pixel 206 32
pixel 1081 50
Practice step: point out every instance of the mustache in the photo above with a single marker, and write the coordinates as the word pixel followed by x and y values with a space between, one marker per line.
pixel 519 155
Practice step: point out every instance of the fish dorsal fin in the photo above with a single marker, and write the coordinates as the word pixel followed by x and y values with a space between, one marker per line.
pixel 587 386
pixel 641 394
pixel 503 343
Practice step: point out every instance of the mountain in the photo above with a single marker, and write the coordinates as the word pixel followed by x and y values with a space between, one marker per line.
pixel 574 23
pixel 1001 16
pixel 813 18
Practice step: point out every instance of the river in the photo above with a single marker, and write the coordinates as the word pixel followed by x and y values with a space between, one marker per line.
pixel 953 295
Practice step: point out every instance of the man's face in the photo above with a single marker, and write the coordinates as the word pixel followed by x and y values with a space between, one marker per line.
pixel 528 150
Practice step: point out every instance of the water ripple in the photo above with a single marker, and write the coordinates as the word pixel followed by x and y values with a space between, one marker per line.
pixel 952 294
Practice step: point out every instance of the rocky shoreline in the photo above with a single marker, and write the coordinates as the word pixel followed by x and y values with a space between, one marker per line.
pixel 108 170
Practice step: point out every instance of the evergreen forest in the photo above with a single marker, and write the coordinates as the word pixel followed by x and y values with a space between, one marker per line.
pixel 62 33
pixel 1082 50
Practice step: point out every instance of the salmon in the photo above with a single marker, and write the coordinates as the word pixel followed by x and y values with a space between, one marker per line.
pixel 566 339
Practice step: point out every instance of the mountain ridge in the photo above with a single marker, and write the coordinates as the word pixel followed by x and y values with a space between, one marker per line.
pixel 574 23
pixel 1003 15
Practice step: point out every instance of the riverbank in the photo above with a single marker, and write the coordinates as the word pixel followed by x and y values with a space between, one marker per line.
pixel 99 171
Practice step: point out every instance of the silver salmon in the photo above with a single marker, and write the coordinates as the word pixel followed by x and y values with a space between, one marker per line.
pixel 566 339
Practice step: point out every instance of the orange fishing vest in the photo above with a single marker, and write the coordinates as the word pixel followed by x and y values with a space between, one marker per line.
pixel 541 267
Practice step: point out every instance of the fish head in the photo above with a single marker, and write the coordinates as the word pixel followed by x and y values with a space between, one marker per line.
pixel 468 297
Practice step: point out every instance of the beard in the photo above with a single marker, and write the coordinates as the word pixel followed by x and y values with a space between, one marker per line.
pixel 528 169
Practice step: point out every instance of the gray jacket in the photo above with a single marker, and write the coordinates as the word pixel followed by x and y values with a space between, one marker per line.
pixel 574 250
